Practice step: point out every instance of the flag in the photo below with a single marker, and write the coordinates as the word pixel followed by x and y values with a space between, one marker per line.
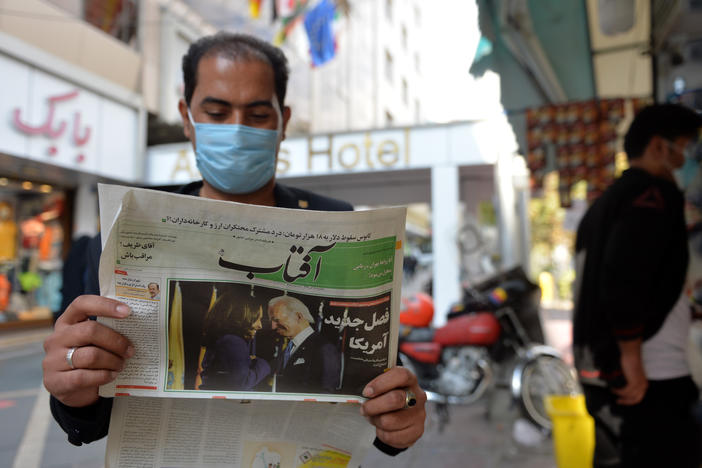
pixel 176 364
pixel 198 378
pixel 255 8
pixel 285 8
pixel 318 24
pixel 290 20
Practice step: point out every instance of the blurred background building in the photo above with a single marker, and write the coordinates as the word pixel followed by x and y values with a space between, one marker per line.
pixel 73 112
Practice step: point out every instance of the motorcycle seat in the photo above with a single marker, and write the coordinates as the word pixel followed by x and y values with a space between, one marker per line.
pixel 416 335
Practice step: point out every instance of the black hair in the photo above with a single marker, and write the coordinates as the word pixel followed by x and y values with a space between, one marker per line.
pixel 237 47
pixel 228 316
pixel 669 121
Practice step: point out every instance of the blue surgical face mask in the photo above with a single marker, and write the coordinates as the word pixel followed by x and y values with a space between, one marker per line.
pixel 688 171
pixel 236 159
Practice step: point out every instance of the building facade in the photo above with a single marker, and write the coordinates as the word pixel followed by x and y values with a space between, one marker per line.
pixel 81 91
pixel 375 79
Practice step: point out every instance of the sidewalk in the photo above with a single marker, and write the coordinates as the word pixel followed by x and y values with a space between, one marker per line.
pixel 471 439
pixel 12 338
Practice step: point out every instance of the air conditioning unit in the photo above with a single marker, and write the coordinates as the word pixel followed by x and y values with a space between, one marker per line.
pixel 616 16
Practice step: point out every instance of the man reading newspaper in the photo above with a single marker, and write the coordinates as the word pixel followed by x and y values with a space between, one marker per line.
pixel 234 114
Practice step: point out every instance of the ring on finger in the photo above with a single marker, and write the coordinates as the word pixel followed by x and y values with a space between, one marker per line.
pixel 410 398
pixel 69 357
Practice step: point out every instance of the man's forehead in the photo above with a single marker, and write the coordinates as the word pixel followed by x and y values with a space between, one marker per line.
pixel 241 70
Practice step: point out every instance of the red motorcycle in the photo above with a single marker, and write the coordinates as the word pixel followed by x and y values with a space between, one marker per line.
pixel 492 337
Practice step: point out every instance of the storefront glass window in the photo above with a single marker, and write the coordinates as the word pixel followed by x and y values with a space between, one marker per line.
pixel 32 235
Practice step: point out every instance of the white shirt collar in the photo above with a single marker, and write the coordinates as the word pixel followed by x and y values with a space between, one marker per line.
pixel 300 337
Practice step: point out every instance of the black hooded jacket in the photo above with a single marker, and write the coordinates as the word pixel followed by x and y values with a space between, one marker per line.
pixel 632 257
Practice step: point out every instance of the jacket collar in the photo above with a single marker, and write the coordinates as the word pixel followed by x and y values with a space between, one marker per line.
pixel 284 196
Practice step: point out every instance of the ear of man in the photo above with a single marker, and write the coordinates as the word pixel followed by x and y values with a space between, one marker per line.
pixel 183 110
pixel 286 118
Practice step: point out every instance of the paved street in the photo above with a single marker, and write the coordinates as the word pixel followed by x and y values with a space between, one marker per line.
pixel 29 437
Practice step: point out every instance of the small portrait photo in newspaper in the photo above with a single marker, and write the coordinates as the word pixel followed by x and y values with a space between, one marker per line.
pixel 154 291
pixel 139 288
pixel 240 337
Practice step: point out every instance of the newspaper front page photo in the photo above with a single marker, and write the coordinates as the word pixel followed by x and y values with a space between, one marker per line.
pixel 255 329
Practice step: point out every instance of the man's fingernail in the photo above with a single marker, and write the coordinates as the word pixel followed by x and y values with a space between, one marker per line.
pixel 363 412
pixel 368 392
pixel 113 375
pixel 123 310
pixel 130 351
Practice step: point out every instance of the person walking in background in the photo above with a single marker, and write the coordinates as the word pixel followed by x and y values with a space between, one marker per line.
pixel 307 363
pixel 229 336
pixel 631 318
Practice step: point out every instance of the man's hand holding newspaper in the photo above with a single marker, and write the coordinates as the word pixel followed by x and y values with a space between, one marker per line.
pixel 99 352
pixel 386 407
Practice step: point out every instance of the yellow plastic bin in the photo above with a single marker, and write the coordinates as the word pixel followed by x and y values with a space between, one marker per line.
pixel 573 430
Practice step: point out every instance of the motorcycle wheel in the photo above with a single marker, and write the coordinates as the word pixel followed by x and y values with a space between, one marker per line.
pixel 545 375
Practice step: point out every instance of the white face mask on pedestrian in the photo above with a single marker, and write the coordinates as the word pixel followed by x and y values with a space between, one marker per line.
pixel 685 174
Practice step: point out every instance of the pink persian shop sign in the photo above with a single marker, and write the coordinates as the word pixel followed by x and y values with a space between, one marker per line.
pixel 48 119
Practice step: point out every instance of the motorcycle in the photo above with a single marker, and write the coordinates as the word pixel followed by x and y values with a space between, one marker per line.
pixel 492 337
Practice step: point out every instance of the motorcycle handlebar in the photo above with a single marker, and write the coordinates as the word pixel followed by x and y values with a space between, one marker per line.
pixel 509 288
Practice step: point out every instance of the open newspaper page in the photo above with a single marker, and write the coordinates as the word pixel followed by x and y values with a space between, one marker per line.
pixel 238 301
pixel 165 432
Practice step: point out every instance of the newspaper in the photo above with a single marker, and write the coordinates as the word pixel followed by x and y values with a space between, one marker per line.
pixel 205 280
pixel 165 432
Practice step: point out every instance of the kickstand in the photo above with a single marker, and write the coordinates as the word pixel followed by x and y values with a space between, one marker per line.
pixel 442 413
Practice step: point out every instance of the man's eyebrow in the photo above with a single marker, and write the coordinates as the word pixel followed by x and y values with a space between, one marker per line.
pixel 259 103
pixel 222 102
pixel 212 100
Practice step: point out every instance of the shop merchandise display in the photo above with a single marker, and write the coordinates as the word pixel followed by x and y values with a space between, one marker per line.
pixel 8 233
pixel 31 251
pixel 579 140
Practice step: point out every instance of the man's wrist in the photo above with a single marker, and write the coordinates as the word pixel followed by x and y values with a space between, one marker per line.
pixel 387 449
pixel 630 349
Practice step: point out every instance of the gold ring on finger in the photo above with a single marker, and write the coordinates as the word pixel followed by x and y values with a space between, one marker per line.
pixel 410 398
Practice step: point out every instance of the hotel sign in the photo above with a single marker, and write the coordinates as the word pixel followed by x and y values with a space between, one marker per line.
pixel 375 150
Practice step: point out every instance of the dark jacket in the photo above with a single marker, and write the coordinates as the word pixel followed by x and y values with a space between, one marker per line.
pixel 314 367
pixel 74 269
pixel 84 425
pixel 631 255
pixel 227 365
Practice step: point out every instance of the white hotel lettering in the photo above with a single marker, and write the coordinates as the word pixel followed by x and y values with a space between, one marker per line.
pixel 350 155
